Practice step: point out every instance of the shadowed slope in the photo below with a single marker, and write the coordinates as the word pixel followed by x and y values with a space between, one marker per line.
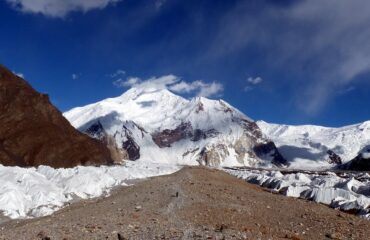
pixel 33 132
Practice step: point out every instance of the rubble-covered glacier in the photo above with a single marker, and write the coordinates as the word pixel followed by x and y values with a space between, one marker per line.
pixel 347 191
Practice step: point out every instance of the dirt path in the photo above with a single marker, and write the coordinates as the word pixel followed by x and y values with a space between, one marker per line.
pixel 194 203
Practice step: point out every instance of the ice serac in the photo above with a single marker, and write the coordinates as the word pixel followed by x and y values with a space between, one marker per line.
pixel 150 124
pixel 33 132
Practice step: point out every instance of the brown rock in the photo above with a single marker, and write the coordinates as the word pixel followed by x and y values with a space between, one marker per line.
pixel 33 132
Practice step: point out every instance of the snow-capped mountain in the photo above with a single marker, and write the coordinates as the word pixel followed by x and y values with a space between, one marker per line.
pixel 310 146
pixel 156 125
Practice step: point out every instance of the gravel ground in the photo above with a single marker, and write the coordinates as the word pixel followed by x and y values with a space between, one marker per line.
pixel 194 203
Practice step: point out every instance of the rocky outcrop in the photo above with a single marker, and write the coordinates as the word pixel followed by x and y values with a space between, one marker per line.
pixel 255 145
pixel 33 132
pixel 128 150
pixel 213 155
pixel 167 137
pixel 334 158
pixel 269 150
pixel 97 131
pixel 129 145
pixel 360 163
pixel 251 145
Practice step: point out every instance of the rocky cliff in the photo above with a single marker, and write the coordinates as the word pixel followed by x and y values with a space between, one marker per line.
pixel 33 132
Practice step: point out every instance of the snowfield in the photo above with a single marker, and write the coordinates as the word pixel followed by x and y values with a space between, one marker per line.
pixel 35 192
pixel 306 146
pixel 344 191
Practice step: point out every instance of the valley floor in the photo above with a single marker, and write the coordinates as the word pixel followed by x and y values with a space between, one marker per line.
pixel 193 203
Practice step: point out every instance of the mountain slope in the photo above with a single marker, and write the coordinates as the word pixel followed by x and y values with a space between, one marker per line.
pixel 33 132
pixel 311 146
pixel 157 125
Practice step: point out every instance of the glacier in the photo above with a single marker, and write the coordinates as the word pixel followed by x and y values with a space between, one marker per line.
pixel 36 192
pixel 347 191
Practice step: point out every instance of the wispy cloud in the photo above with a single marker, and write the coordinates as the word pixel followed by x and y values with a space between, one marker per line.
pixel 326 42
pixel 254 81
pixel 118 73
pixel 75 76
pixel 173 83
pixel 159 4
pixel 346 90
pixel 58 8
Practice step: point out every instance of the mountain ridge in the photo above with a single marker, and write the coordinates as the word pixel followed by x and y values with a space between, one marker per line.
pixel 33 132
pixel 165 119
pixel 308 145
pixel 166 126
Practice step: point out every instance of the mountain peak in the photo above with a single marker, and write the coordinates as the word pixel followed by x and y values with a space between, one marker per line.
pixel 169 128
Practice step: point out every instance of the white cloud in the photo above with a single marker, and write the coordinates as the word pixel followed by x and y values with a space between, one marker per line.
pixel 129 82
pixel 58 8
pixel 211 89
pixel 173 83
pixel 254 81
pixel 184 87
pixel 201 88
pixel 251 83
pixel 322 45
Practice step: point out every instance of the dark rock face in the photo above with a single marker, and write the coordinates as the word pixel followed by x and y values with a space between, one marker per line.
pixel 168 137
pixel 334 158
pixel 128 149
pixel 183 131
pixel 132 148
pixel 213 156
pixel 264 149
pixel 251 128
pixel 96 130
pixel 199 108
pixel 359 163
pixel 269 150
pixel 198 134
pixel 33 132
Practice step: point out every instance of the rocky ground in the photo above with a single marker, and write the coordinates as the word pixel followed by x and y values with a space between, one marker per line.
pixel 194 203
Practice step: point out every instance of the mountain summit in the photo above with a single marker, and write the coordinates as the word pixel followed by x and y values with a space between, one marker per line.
pixel 156 125
pixel 33 132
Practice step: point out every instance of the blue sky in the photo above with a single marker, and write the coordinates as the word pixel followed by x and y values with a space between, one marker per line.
pixel 293 62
